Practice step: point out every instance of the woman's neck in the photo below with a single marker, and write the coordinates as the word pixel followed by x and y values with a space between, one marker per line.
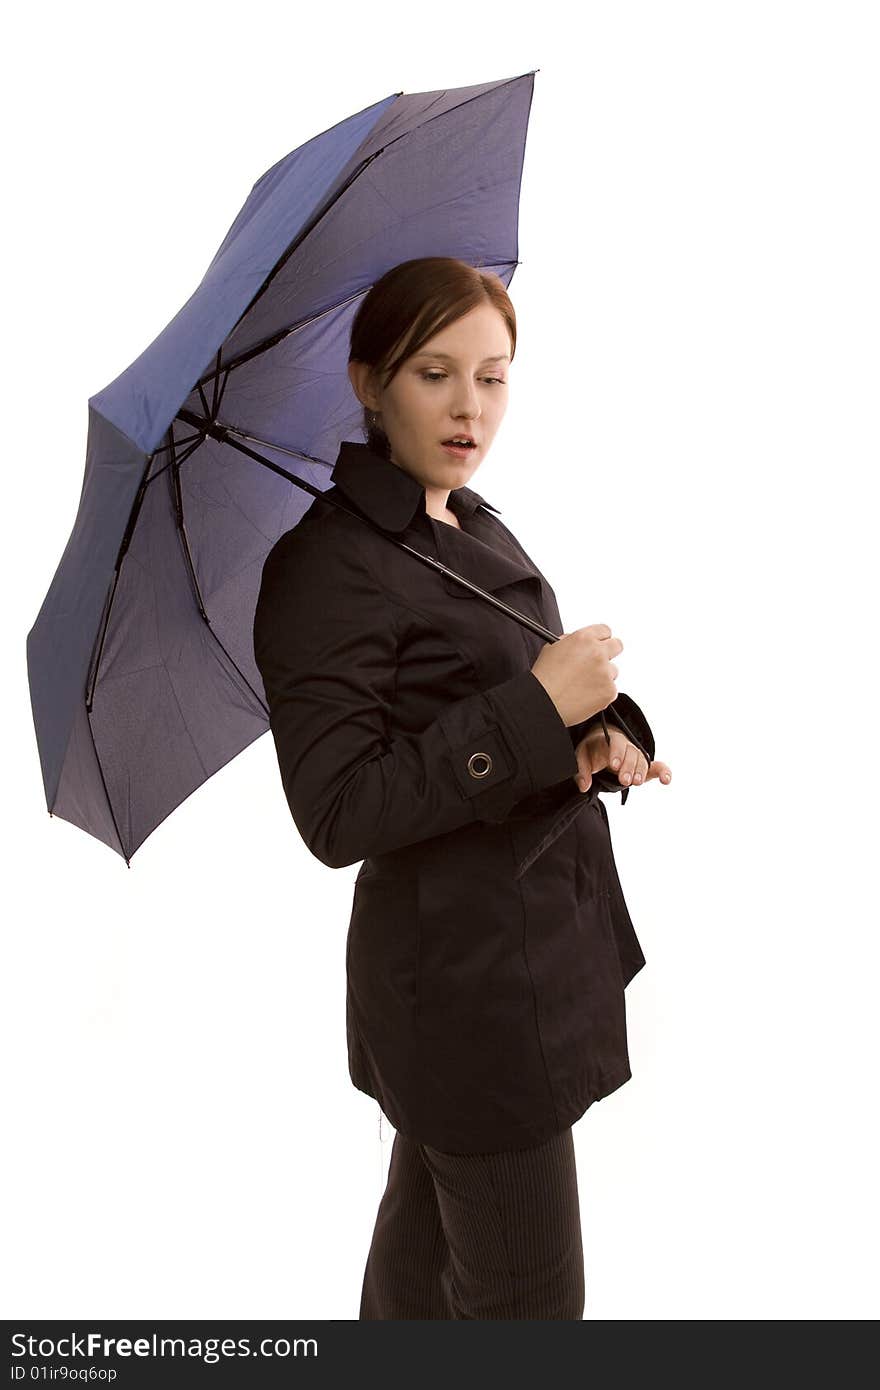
pixel 442 512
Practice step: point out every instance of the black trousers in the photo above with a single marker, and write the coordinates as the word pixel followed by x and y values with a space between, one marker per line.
pixel 477 1235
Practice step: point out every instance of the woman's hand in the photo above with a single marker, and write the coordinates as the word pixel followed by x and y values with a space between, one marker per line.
pixel 578 673
pixel 620 756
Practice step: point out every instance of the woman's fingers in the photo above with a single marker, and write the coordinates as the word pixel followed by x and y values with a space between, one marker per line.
pixel 634 769
pixel 584 775
pixel 660 770
pixel 630 765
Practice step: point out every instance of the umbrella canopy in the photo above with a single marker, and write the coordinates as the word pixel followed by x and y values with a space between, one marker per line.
pixel 140 663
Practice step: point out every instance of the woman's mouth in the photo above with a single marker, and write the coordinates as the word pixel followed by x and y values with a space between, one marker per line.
pixel 458 451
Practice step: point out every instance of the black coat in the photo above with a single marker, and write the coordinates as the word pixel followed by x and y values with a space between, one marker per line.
pixel 489 944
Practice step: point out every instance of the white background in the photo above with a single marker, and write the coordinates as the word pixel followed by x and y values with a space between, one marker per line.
pixel 696 376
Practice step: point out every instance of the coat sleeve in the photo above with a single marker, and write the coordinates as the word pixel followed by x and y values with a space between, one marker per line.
pixel 636 727
pixel 325 643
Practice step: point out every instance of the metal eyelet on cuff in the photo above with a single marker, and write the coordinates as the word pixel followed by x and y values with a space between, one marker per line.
pixel 484 772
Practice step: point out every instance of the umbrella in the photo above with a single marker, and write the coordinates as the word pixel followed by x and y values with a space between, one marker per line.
pixel 141 668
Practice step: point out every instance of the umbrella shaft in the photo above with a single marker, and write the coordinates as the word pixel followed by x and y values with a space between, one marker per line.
pixel 227 436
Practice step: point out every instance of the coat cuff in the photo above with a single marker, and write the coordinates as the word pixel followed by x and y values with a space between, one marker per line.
pixel 519 746
pixel 623 713
pixel 525 709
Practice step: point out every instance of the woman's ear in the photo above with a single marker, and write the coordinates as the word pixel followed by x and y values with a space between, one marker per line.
pixel 360 374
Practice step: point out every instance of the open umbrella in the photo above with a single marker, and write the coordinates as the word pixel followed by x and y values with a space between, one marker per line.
pixel 141 668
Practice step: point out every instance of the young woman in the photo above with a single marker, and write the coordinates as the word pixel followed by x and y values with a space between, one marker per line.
pixel 460 756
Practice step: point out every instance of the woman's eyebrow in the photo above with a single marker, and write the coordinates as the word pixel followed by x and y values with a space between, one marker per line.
pixel 448 357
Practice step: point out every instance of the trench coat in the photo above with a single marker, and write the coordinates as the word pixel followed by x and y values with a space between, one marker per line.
pixel 489 944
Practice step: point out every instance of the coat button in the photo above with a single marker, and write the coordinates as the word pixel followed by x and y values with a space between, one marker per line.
pixel 477 771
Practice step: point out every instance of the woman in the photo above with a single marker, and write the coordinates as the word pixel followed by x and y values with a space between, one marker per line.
pixel 459 756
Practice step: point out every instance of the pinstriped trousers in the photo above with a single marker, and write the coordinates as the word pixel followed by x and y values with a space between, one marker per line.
pixel 477 1235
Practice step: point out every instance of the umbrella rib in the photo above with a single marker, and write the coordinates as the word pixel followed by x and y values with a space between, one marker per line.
pixel 91 678
pixel 177 499
pixel 126 849
pixel 282 333
pixel 282 261
pixel 182 458
pixel 277 337
pixel 220 431
pixel 181 443
pixel 321 213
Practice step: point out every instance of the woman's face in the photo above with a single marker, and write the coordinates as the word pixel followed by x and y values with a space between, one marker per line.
pixel 457 383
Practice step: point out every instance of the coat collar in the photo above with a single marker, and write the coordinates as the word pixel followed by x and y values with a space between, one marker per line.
pixel 393 499
pixel 387 494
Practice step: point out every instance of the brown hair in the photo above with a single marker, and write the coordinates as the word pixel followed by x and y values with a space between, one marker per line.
pixel 409 304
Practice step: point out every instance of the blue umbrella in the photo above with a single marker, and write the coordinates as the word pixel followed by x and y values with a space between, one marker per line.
pixel 141 667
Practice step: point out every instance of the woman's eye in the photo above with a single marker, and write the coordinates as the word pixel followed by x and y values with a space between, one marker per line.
pixel 440 376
